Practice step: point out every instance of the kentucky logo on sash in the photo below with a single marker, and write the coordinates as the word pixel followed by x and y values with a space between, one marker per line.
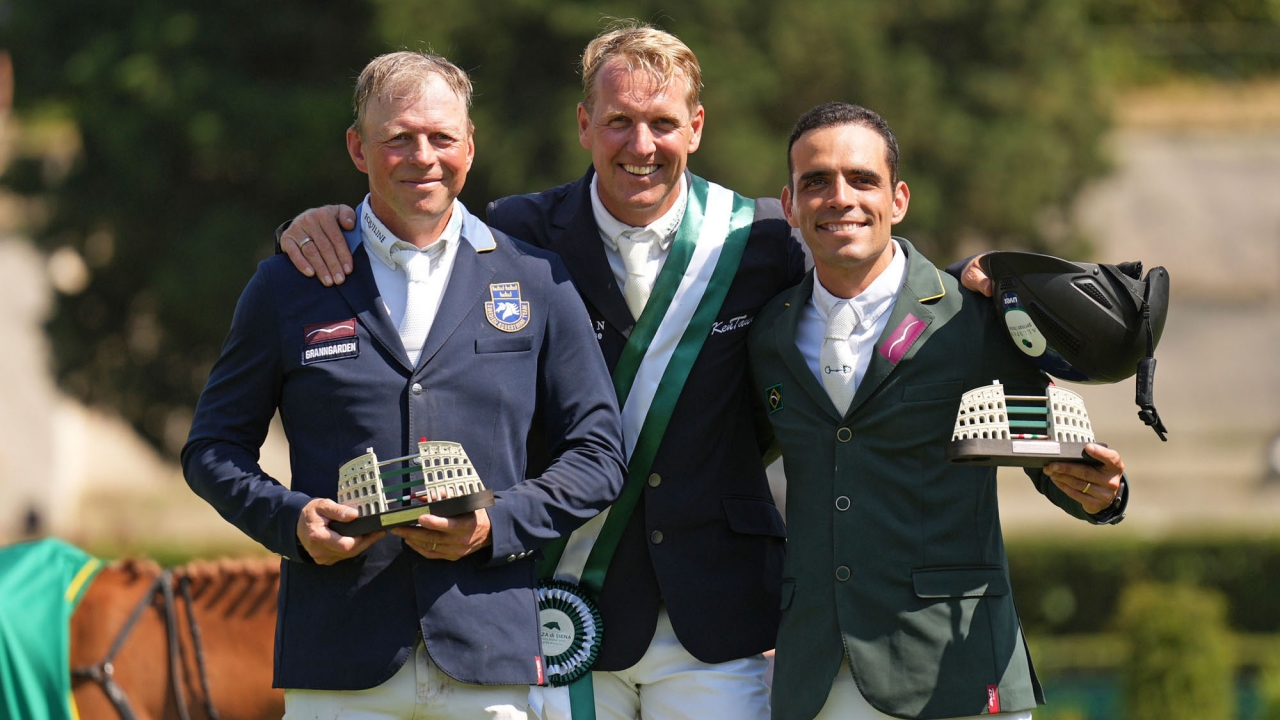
pixel 506 312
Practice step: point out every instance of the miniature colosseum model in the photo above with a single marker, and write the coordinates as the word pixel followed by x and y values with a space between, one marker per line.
pixel 1020 430
pixel 440 481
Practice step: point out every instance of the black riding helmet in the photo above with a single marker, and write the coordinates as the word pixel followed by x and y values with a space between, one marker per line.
pixel 1084 322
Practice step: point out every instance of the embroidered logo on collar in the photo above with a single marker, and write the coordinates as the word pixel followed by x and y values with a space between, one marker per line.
pixel 773 396
pixel 506 311
pixel 902 338
pixel 330 341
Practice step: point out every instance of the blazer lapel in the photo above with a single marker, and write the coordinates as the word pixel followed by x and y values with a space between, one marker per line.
pixel 910 324
pixel 360 292
pixel 468 286
pixel 785 341
pixel 578 244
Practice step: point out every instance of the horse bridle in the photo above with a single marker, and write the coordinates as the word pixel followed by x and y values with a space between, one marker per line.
pixel 103 672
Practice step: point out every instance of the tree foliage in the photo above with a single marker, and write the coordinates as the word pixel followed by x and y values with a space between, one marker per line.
pixel 1152 40
pixel 203 126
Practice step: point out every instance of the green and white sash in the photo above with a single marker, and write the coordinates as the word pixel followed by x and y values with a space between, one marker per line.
pixel 648 379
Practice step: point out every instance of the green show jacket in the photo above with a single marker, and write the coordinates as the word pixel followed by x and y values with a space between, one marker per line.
pixel 895 557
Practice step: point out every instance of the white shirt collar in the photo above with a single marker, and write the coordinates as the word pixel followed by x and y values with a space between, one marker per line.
pixel 664 227
pixel 383 243
pixel 871 303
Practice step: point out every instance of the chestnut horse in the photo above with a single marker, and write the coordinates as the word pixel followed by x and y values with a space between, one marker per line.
pixel 192 643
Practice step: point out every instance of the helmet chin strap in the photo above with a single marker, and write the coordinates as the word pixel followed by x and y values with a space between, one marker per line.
pixel 1147 372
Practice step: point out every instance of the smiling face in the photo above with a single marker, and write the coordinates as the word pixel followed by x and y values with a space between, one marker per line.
pixel 416 152
pixel 842 199
pixel 640 136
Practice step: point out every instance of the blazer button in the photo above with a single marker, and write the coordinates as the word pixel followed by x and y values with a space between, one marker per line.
pixel 842 573
pixel 417 389
pixel 656 537
pixel 842 503
pixel 655 480
pixel 844 434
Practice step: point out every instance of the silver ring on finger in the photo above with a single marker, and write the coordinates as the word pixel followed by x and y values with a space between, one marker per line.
pixel 303 241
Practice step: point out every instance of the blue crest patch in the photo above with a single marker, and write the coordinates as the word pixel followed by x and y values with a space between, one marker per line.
pixel 506 311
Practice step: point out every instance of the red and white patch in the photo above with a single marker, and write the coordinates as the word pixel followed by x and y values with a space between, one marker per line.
pixel 993 699
pixel 321 332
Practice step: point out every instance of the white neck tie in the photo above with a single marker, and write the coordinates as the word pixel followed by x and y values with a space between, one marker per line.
pixel 837 357
pixel 633 246
pixel 419 310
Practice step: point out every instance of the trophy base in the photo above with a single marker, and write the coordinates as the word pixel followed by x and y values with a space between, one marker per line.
pixel 1018 453
pixel 400 517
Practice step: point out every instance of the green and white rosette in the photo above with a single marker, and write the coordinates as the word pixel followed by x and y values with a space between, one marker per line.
pixel 648 379
pixel 571 631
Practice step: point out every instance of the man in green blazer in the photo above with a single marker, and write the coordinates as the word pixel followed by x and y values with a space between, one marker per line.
pixel 896 599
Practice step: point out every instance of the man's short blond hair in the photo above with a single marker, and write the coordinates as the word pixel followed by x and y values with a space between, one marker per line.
pixel 402 76
pixel 643 48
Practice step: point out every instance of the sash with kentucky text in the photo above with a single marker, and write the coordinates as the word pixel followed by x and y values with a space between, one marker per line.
pixel 648 379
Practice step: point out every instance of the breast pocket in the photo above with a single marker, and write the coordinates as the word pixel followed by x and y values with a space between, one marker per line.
pixel 510 344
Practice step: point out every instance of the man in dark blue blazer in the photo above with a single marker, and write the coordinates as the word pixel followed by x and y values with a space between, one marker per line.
pixel 411 346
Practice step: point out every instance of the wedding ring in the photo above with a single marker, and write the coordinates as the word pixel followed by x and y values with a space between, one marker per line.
pixel 433 547
pixel 1087 484
pixel 303 241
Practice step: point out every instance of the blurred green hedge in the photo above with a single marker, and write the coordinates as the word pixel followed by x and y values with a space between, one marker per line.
pixel 1073 586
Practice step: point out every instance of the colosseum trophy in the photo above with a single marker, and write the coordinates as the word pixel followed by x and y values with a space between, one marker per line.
pixel 993 428
pixel 439 480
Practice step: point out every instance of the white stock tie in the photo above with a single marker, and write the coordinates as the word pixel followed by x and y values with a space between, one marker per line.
pixel 837 357
pixel 633 246
pixel 418 310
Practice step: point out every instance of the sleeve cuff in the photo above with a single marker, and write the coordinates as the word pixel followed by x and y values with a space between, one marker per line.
pixel 1114 513
pixel 503 543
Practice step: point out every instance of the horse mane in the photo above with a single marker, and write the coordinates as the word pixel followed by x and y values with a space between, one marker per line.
pixel 238 588
pixel 235 587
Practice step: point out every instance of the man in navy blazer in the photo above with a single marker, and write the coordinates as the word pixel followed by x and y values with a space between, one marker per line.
pixel 444 613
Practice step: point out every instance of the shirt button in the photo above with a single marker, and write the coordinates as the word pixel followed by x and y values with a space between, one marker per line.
pixel 656 537
pixel 417 389
pixel 844 434
pixel 842 503
pixel 842 573
pixel 655 480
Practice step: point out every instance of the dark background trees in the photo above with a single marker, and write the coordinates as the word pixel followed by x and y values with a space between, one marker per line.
pixel 201 126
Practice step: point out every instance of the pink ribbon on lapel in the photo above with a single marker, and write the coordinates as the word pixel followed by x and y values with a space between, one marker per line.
pixel 902 338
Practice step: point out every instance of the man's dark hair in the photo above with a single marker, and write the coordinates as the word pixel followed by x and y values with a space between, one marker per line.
pixel 833 114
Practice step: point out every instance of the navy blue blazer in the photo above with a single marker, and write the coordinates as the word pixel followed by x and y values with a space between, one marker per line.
pixel 351 625
pixel 717 564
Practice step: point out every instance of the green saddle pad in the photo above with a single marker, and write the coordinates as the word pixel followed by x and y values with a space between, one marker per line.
pixel 41 583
